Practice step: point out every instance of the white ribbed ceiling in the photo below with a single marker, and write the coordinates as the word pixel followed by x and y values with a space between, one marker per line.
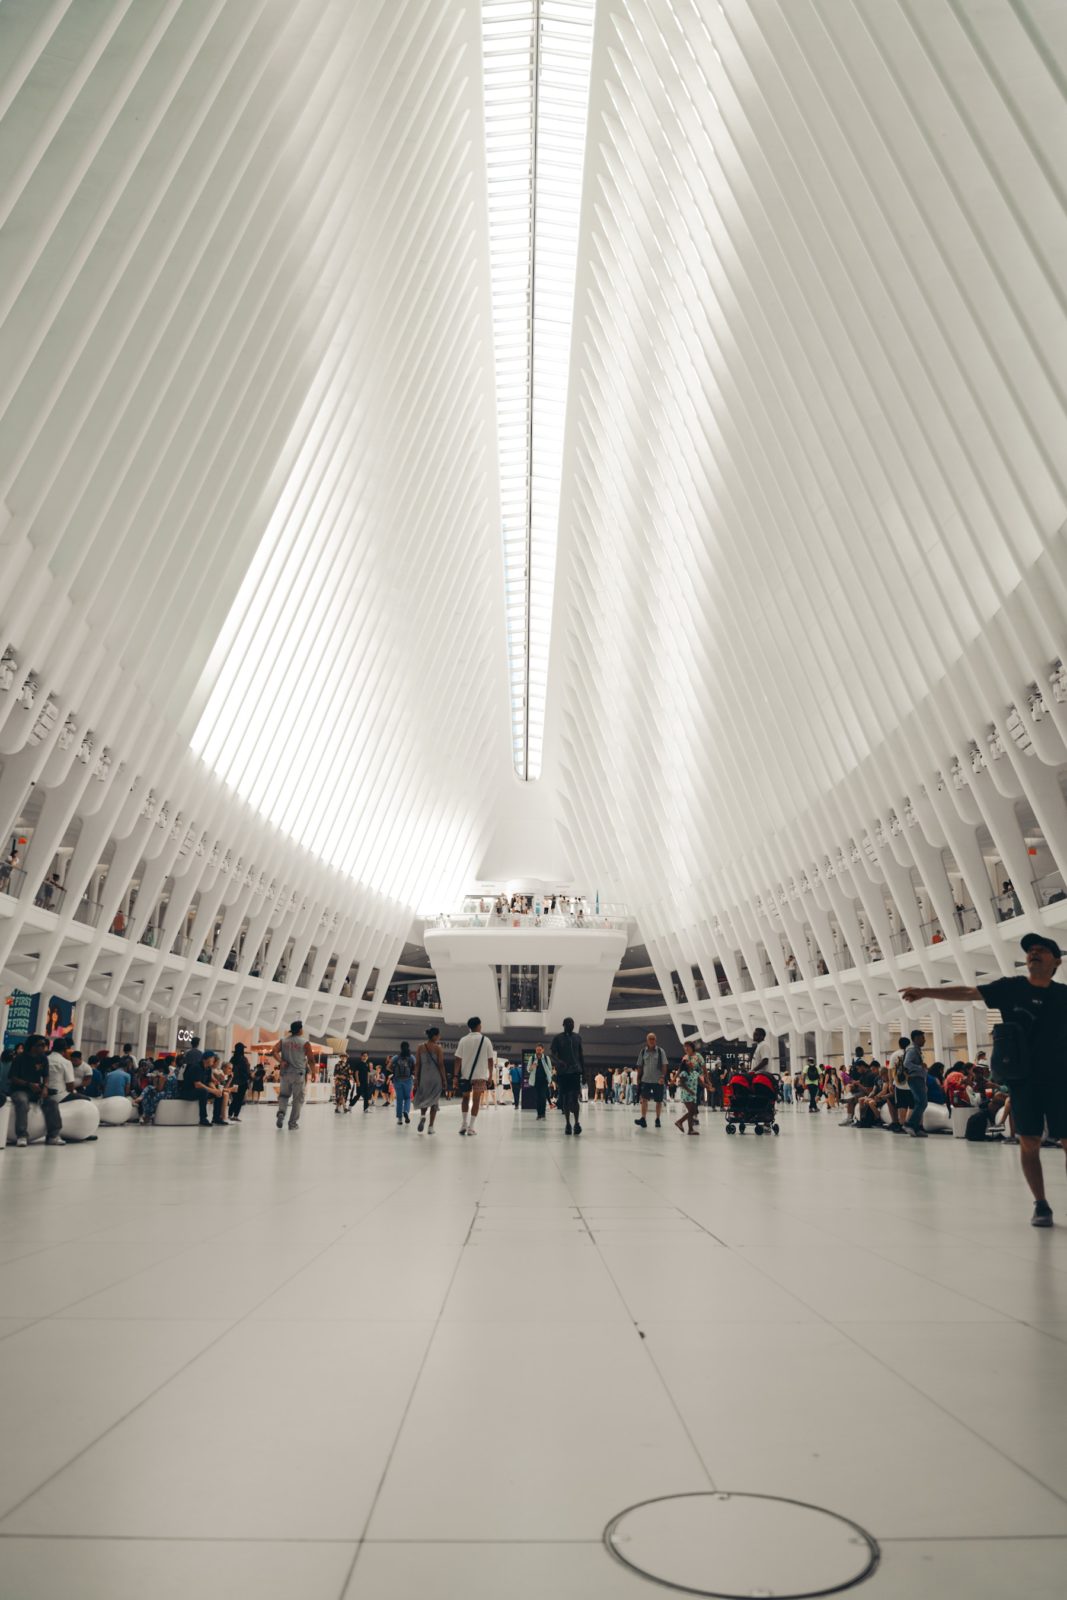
pixel 301 472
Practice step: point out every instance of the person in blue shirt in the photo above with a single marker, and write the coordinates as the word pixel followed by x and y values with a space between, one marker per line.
pixel 515 1075
pixel 935 1088
pixel 116 1080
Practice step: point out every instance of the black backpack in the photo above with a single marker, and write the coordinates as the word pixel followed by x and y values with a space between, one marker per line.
pixel 977 1127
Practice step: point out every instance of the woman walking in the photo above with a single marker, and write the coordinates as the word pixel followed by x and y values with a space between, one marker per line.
pixel 242 1077
pixel 429 1078
pixel 403 1065
pixel 258 1079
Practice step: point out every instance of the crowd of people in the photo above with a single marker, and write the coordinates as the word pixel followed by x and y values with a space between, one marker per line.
pixel 1022 1087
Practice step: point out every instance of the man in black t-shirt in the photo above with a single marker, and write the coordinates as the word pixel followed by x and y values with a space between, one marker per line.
pixel 1040 1007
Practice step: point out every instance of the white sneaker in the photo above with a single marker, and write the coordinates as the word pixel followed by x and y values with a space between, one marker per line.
pixel 56 1140
pixel 471 1131
pixel 21 1142
pixel 431 1129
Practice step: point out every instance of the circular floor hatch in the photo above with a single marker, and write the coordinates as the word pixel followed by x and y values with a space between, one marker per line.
pixel 735 1546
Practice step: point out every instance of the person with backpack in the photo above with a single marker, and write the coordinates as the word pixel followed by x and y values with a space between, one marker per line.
pixel 915 1072
pixel 812 1083
pixel 1029 1053
pixel 900 1101
pixel 651 1071
pixel 568 1060
pixel 403 1070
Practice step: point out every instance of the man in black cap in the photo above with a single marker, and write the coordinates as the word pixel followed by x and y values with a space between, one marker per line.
pixel 1039 1008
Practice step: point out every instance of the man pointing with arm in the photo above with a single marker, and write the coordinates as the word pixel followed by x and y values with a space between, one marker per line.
pixel 1038 1007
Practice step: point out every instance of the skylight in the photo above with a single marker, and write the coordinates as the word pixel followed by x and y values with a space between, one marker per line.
pixel 537 57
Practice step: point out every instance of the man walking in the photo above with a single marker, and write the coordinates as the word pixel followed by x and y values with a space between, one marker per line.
pixel 651 1070
pixel 296 1058
pixel 915 1072
pixel 1036 1009
pixel 360 1069
pixel 569 1063
pixel 474 1060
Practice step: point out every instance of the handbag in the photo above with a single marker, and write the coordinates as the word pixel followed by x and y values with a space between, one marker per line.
pixel 466 1082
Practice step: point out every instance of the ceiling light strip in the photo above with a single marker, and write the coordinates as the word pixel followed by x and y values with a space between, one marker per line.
pixel 536 63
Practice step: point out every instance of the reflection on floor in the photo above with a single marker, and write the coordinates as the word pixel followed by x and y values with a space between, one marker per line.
pixel 353 1361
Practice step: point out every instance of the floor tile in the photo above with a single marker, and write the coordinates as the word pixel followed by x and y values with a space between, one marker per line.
pixel 847 1284
pixel 999 1378
pixel 209 1280
pixel 980 1569
pixel 70 1275
pixel 95 1374
pixel 10 1325
pixel 672 1278
pixel 776 1411
pixel 376 1283
pixel 539 1280
pixel 522 1571
pixel 279 1427
pixel 586 1395
pixel 171 1569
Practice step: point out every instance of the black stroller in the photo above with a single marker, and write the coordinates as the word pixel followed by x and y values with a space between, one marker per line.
pixel 753 1102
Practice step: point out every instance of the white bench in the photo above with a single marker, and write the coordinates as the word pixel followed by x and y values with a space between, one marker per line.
pixel 177 1114
pixel 116 1109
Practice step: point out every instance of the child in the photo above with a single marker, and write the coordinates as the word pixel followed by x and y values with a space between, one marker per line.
pixel 688 1084
pixel 150 1096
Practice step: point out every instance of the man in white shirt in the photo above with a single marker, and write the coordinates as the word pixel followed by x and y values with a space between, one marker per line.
pixel 473 1067
pixel 761 1052
pixel 60 1072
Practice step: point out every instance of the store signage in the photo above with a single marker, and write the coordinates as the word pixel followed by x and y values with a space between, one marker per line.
pixel 185 1035
pixel 21 1017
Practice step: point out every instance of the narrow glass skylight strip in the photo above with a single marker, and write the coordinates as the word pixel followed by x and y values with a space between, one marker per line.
pixel 537 56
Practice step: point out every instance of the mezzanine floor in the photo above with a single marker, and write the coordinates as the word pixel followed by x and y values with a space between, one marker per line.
pixel 355 1362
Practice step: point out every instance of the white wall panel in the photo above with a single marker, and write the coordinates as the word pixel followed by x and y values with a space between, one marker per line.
pixel 807 688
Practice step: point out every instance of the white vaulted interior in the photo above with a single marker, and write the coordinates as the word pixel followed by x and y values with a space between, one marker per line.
pixel 407 404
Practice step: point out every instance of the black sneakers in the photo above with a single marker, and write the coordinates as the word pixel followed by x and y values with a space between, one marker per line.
pixel 640 1122
pixel 1042 1217
pixel 657 1122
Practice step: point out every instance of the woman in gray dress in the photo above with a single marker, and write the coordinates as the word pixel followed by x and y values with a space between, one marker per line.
pixel 429 1078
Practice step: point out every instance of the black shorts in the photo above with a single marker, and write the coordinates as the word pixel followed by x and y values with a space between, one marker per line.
pixel 651 1091
pixel 903 1099
pixel 1043 1099
pixel 570 1092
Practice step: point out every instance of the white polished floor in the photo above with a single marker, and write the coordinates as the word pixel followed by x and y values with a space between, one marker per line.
pixel 352 1362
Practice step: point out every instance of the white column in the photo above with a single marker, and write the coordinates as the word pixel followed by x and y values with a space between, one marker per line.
pixel 112 1029
pixel 940 1028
